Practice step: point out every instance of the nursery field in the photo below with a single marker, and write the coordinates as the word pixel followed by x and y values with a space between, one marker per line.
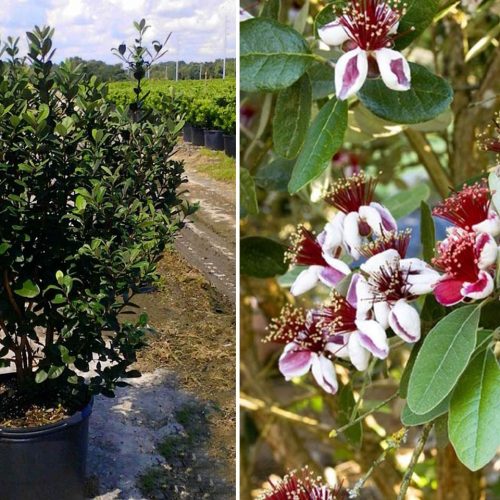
pixel 204 103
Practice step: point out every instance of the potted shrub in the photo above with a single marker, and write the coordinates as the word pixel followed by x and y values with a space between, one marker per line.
pixel 88 201
pixel 228 126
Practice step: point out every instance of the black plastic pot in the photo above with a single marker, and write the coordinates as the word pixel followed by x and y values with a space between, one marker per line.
pixel 230 145
pixel 214 140
pixel 198 136
pixel 187 133
pixel 45 463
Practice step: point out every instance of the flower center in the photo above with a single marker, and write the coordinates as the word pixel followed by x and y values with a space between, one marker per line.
pixel 370 23
pixel 457 256
pixel 305 249
pixel 338 317
pixel 390 283
pixel 395 240
pixel 351 193
pixel 466 208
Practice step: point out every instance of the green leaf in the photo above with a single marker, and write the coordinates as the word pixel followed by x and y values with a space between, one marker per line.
pixel 80 203
pixel 271 9
pixel 354 433
pixel 4 247
pixel 248 197
pixel 275 176
pixel 419 15
pixel 427 232
pixel 405 377
pixel 406 202
pixel 41 376
pixel 324 138
pixel 328 14
pixel 474 423
pixel 322 80
pixel 55 371
pixel 28 290
pixel 442 359
pixel 262 257
pixel 428 97
pixel 272 56
pixel 411 419
pixel 291 118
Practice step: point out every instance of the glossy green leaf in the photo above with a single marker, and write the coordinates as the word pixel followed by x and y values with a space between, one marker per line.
pixel 271 9
pixel 429 96
pixel 405 377
pixel 427 232
pixel 406 202
pixel 262 257
pixel 248 197
pixel 272 56
pixel 346 401
pixel 419 15
pixel 291 118
pixel 442 359
pixel 322 80
pixel 324 138
pixel 275 176
pixel 410 419
pixel 41 376
pixel 28 290
pixel 474 423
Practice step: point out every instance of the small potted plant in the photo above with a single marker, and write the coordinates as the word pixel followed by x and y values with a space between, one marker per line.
pixel 228 119
pixel 88 201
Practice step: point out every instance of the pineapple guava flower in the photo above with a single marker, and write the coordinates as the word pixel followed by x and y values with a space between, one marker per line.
pixel 387 284
pixel 366 30
pixel 467 259
pixel 354 333
pixel 301 485
pixel 323 264
pixel 307 348
pixel 470 209
pixel 359 216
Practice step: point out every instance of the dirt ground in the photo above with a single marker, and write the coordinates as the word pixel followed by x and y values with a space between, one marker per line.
pixel 172 433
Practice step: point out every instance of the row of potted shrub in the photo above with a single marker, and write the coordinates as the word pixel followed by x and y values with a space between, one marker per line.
pixel 215 140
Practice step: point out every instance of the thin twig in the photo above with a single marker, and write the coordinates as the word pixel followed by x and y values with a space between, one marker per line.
pixel 414 459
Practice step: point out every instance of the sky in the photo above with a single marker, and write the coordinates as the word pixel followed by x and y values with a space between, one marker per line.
pixel 90 28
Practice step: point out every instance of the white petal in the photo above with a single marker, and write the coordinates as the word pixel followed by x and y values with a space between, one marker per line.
pixel 394 29
pixel 338 350
pixel 490 226
pixel 358 354
pixel 388 221
pixel 323 371
pixel 333 34
pixel 334 234
pixel 306 280
pixel 394 69
pixel 405 321
pixel 372 217
pixel 375 263
pixel 244 15
pixel 486 250
pixel 352 238
pixel 381 311
pixel 414 265
pixel 351 71
pixel 364 298
pixel 373 338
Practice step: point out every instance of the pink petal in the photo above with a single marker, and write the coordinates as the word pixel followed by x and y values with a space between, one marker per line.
pixel 331 276
pixel 351 71
pixel 352 296
pixel 295 363
pixel 491 225
pixel 405 321
pixel 448 291
pixel 394 69
pixel 323 371
pixel 486 249
pixel 480 289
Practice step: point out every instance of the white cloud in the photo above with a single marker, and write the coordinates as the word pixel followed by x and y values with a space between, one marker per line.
pixel 90 28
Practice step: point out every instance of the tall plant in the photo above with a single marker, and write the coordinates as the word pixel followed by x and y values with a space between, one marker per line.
pixel 89 199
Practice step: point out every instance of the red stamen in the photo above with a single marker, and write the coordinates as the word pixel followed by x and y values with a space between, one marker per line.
pixel 347 195
pixel 338 317
pixel 390 284
pixel 457 256
pixel 467 207
pixel 368 23
pixel 305 249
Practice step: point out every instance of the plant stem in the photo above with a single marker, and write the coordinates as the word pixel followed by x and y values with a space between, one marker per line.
pixel 430 161
pixel 414 458
pixel 335 432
